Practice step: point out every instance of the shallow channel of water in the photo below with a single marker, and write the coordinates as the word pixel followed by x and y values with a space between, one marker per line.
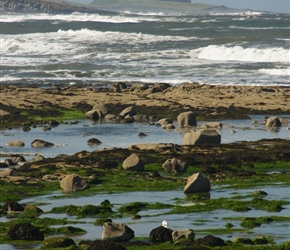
pixel 72 138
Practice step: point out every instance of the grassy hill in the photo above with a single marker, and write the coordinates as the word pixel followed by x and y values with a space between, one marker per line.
pixel 156 6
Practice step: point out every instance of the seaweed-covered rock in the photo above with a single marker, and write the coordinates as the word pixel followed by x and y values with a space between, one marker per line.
pixel 117 232
pixel 25 231
pixel 57 242
pixel 212 241
pixel 160 234
pixel 102 244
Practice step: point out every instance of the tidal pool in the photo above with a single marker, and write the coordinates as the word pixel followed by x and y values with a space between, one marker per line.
pixel 72 138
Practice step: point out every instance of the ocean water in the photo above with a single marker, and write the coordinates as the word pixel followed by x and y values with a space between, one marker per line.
pixel 247 48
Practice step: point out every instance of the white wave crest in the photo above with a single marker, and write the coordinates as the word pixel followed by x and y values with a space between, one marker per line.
pixel 238 53
pixel 275 72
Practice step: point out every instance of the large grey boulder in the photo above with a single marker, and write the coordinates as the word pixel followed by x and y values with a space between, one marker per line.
pixel 133 163
pixel 41 144
pixel 204 136
pixel 117 232
pixel 15 143
pixel 185 233
pixel 186 119
pixel 73 183
pixel 174 165
pixel 273 122
pixel 197 183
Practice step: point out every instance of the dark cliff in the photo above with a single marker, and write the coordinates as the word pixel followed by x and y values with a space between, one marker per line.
pixel 44 6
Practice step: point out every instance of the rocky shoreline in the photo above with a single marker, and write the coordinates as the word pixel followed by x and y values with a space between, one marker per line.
pixel 208 102
pixel 108 170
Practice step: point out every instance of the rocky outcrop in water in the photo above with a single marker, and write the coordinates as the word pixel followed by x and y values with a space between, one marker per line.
pixel 44 6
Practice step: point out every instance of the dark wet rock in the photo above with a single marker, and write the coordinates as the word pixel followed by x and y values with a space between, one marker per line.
pixel 160 234
pixel 53 123
pixel 185 233
pixel 102 245
pixel 25 231
pixel 26 128
pixel 15 143
pixel 141 134
pixel 94 141
pixel 159 87
pixel 12 206
pixel 186 119
pixel 3 165
pixel 14 160
pixel 73 183
pixel 133 163
pixel 212 241
pixel 117 232
pixel 118 87
pixel 259 193
pixel 57 242
pixel 201 137
pixel 174 165
pixel 168 126
pixel 197 183
pixel 41 144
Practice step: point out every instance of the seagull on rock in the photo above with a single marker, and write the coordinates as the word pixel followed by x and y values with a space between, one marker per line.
pixel 164 223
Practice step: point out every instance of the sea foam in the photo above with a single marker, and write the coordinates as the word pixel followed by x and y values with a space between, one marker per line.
pixel 238 53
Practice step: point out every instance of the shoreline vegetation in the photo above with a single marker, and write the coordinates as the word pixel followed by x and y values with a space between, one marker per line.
pixel 237 165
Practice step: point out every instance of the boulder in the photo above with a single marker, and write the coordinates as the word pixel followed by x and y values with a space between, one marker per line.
pixel 94 141
pixel 15 160
pixel 8 172
pixel 37 157
pixel 110 117
pixel 93 114
pixel 102 244
pixel 284 121
pixel 204 136
pixel 41 144
pixel 212 125
pixel 25 231
pixel 164 121
pixel 129 111
pixel 273 122
pixel 15 143
pixel 73 183
pixel 160 234
pixel 186 119
pixel 174 165
pixel 12 206
pixel 57 242
pixel 185 233
pixel 212 241
pixel 101 110
pixel 133 163
pixel 197 183
pixel 117 232
pixel 168 126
